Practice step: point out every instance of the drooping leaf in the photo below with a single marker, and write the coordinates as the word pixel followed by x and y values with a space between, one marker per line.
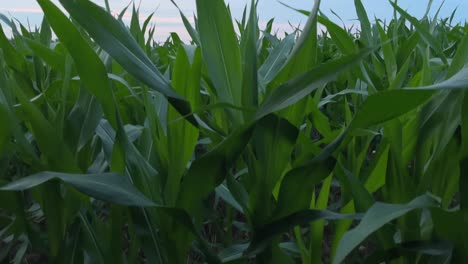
pixel 110 187
pixel 376 217
pixel 113 37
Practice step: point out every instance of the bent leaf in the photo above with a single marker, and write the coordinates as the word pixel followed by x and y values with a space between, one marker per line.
pixel 109 187
pixel 376 217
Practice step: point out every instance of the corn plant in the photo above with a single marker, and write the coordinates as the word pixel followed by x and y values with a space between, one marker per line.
pixel 328 144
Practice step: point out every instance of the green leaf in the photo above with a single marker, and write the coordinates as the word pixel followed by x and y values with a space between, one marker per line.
pixel 376 178
pixel 221 51
pixel 330 98
pixel 91 69
pixel 5 118
pixel 6 20
pixel 46 33
pixel 451 226
pixel 463 183
pixel 460 59
pixel 273 143
pixel 339 35
pixel 407 99
pixel 297 184
pixel 110 187
pixel 434 249
pixel 49 140
pixel 388 54
pixel 249 60
pixel 54 59
pixel 365 25
pixel 276 60
pixel 308 32
pixel 266 233
pixel 232 253
pixel 370 113
pixel 192 31
pixel 223 192
pixel 317 228
pixel 115 39
pixel 301 86
pixel 182 136
pixel 240 195
pixel 431 41
pixel 12 57
pixel 210 170
pixel 455 82
pixel 376 217
pixel 349 182
pixel 91 120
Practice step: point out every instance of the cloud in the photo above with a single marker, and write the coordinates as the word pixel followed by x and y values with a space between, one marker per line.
pixel 22 10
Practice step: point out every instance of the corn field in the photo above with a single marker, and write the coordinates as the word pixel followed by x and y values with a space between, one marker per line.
pixel 324 145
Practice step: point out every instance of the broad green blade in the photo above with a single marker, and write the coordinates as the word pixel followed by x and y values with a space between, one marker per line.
pixel 273 143
pixel 365 25
pixel 249 60
pixel 110 187
pixel 54 59
pixel 181 135
pixel 370 113
pixel 91 69
pixel 210 170
pixel 301 86
pixel 221 51
pixel 302 58
pixel 115 39
pixel 376 217
pixel 295 186
pixel 275 61
pixel 90 122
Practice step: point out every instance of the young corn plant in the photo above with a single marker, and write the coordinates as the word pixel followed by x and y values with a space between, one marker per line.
pixel 326 145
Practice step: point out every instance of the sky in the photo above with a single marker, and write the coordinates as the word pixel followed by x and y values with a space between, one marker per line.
pixel 167 17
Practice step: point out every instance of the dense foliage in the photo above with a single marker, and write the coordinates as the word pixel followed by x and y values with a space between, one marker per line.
pixel 326 145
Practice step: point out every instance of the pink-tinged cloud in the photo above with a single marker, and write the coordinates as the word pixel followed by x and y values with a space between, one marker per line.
pixel 22 10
